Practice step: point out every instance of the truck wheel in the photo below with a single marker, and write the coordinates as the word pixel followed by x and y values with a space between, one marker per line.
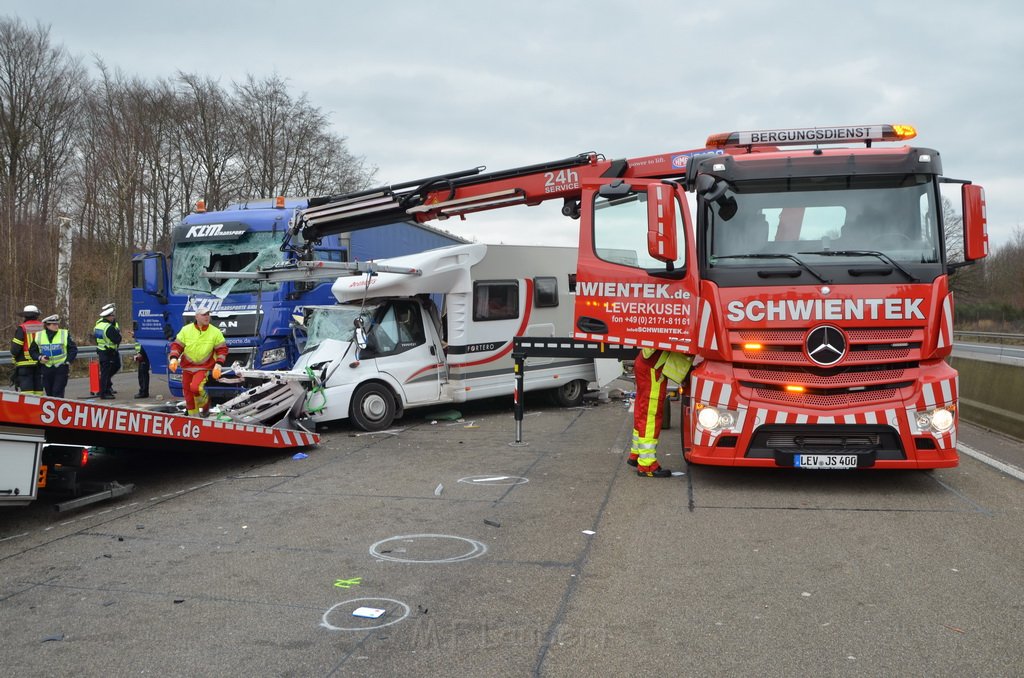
pixel 570 394
pixel 373 407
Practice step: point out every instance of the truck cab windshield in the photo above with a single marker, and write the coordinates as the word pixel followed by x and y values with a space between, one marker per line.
pixel 247 254
pixel 336 322
pixel 829 223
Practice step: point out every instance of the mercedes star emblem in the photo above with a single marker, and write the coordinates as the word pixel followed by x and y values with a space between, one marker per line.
pixel 826 345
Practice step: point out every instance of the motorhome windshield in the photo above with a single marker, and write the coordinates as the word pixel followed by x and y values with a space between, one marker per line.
pixel 336 322
pixel 248 253
pixel 825 221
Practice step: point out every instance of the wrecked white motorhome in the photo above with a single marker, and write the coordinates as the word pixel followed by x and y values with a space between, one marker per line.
pixel 439 332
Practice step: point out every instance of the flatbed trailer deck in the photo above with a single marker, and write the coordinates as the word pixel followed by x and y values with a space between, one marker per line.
pixel 87 423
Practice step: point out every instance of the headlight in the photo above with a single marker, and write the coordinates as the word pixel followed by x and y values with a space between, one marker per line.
pixel 939 420
pixel 712 418
pixel 708 417
pixel 274 355
pixel 942 420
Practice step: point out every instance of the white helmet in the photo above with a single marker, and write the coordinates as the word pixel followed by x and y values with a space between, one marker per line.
pixel 31 309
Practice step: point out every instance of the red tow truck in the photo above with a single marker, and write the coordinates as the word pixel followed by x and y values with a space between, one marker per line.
pixel 812 284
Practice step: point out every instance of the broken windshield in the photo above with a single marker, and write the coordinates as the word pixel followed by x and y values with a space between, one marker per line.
pixel 247 254
pixel 336 322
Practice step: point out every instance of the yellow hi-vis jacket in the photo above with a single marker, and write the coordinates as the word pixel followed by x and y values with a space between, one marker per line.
pixel 55 349
pixel 200 347
pixel 673 365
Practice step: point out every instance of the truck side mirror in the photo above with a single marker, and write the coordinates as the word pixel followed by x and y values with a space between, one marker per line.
pixel 713 190
pixel 661 223
pixel 975 222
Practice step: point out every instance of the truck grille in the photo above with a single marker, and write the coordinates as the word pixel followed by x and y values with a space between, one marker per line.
pixel 879 362
pixel 841 380
pixel 826 400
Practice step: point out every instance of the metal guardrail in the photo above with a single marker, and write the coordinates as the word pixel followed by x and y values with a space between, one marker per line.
pixel 88 352
pixel 999 337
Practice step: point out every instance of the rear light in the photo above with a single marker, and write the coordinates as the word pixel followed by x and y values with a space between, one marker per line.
pixel 85 456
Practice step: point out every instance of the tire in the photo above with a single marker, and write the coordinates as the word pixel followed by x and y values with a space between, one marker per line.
pixel 570 394
pixel 373 407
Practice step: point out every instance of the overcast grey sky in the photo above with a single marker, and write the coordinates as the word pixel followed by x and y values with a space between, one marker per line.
pixel 421 88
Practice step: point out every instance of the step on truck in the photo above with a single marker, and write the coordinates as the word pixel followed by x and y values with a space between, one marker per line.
pixel 811 285
pixel 435 328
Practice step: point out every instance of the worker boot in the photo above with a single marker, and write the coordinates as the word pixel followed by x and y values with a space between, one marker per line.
pixel 653 471
pixel 632 459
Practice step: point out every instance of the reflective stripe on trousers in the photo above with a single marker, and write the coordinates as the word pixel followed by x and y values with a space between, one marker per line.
pixel 648 409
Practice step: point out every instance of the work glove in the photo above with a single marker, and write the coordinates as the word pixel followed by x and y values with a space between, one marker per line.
pixel 216 371
pixel 172 365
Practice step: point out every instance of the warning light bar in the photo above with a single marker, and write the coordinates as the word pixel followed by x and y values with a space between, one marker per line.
pixel 813 135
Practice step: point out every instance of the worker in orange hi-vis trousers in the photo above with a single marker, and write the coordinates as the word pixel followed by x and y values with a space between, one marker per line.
pixel 652 369
pixel 202 349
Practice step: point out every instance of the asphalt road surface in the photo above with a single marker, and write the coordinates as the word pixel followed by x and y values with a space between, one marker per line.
pixel 489 559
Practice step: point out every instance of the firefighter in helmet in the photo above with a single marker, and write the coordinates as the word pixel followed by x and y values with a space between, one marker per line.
pixel 27 377
pixel 202 350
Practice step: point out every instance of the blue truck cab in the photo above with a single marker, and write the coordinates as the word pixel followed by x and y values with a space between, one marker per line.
pixel 256 317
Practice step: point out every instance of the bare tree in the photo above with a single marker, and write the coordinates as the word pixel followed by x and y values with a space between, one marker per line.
pixel 329 168
pixel 209 164
pixel 264 111
pixel 115 174
pixel 40 94
pixel 286 148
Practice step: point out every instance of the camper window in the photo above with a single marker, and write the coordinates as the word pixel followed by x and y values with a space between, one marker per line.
pixel 545 292
pixel 496 300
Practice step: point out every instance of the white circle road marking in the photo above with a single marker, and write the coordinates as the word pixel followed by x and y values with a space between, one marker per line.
pixel 330 627
pixel 477 549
